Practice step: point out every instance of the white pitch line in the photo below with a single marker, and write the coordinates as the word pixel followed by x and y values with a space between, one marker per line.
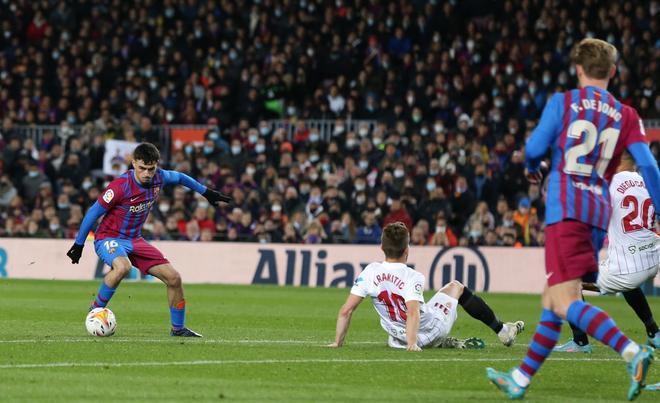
pixel 274 361
pixel 178 340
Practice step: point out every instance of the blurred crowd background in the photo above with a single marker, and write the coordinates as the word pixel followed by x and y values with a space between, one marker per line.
pixel 453 89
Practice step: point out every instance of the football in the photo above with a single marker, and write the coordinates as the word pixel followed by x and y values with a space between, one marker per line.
pixel 101 322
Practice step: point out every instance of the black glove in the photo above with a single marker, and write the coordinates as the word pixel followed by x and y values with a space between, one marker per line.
pixel 214 197
pixel 75 253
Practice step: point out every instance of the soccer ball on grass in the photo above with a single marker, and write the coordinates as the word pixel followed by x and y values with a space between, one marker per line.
pixel 101 322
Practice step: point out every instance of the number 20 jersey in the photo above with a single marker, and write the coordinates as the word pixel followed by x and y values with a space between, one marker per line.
pixel 389 285
pixel 633 244
pixel 591 129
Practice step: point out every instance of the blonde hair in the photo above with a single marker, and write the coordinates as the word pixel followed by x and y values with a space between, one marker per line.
pixel 596 57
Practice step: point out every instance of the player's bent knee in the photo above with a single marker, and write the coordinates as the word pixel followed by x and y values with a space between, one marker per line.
pixel 122 269
pixel 174 279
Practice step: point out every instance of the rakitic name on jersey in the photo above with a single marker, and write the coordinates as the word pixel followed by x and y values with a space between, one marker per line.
pixel 392 279
pixel 599 107
pixel 625 185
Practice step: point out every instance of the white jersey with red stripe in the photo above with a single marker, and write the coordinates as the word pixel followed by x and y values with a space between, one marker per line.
pixel 633 244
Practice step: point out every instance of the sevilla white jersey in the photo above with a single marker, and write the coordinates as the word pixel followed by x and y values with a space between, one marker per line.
pixel 633 244
pixel 390 285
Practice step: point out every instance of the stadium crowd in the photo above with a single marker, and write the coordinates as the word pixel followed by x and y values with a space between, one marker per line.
pixel 455 89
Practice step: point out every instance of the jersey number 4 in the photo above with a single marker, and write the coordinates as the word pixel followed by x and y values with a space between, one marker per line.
pixel 608 137
pixel 395 304
pixel 646 214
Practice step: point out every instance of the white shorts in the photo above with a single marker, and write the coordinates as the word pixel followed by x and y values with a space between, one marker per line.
pixel 438 318
pixel 610 283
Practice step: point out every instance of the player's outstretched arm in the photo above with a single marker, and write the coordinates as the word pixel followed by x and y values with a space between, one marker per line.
pixel 648 167
pixel 177 178
pixel 412 325
pixel 344 319
pixel 88 221
pixel 543 135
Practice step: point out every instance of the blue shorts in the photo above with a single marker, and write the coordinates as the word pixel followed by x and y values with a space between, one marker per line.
pixel 141 254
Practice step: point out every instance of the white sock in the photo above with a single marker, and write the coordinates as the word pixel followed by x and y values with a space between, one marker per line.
pixel 504 330
pixel 520 378
pixel 630 351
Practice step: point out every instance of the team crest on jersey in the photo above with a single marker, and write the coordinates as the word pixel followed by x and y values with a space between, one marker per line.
pixel 156 192
pixel 418 288
pixel 108 195
pixel 357 280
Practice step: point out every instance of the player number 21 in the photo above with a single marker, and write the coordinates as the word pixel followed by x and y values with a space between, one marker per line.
pixel 394 303
pixel 608 138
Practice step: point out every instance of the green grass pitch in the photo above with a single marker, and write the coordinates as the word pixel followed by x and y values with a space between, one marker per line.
pixel 267 344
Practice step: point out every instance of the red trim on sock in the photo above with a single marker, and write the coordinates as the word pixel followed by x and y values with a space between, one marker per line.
pixel 623 341
pixel 535 356
pixel 552 326
pixel 544 341
pixel 584 310
pixel 596 321
pixel 529 371
pixel 181 304
pixel 610 334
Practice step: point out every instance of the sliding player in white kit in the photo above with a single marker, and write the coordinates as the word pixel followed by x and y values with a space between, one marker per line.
pixel 633 253
pixel 397 292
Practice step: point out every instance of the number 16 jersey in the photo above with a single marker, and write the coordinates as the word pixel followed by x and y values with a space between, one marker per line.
pixel 588 129
pixel 390 285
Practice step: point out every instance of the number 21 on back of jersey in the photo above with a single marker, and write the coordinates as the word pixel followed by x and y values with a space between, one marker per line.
pixel 608 138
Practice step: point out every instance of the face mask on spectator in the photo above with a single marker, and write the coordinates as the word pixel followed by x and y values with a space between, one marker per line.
pixel 546 79
pixel 360 187
pixel 363 164
pixel 169 12
pixel 203 204
pixel 260 148
pixel 363 131
pixel 424 131
pixel 360 199
pixel 86 185
pixel 188 149
pixel 313 176
pixel 304 190
pixel 63 206
pixel 399 173
pixel 153 84
pixel 164 207
pixel 520 81
pixel 169 116
pixel 33 174
pixel 499 103
pixel 314 158
pixel 433 172
pixel 313 137
pixel 276 208
pixel 253 138
pixel 350 143
pixel 209 149
pixel 377 141
pixel 54 227
pixel 430 186
pixel 416 118
pixel 339 129
pixel 264 130
pixel 235 150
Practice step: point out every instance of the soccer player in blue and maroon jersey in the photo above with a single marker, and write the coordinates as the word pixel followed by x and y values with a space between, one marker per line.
pixel 587 130
pixel 125 205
